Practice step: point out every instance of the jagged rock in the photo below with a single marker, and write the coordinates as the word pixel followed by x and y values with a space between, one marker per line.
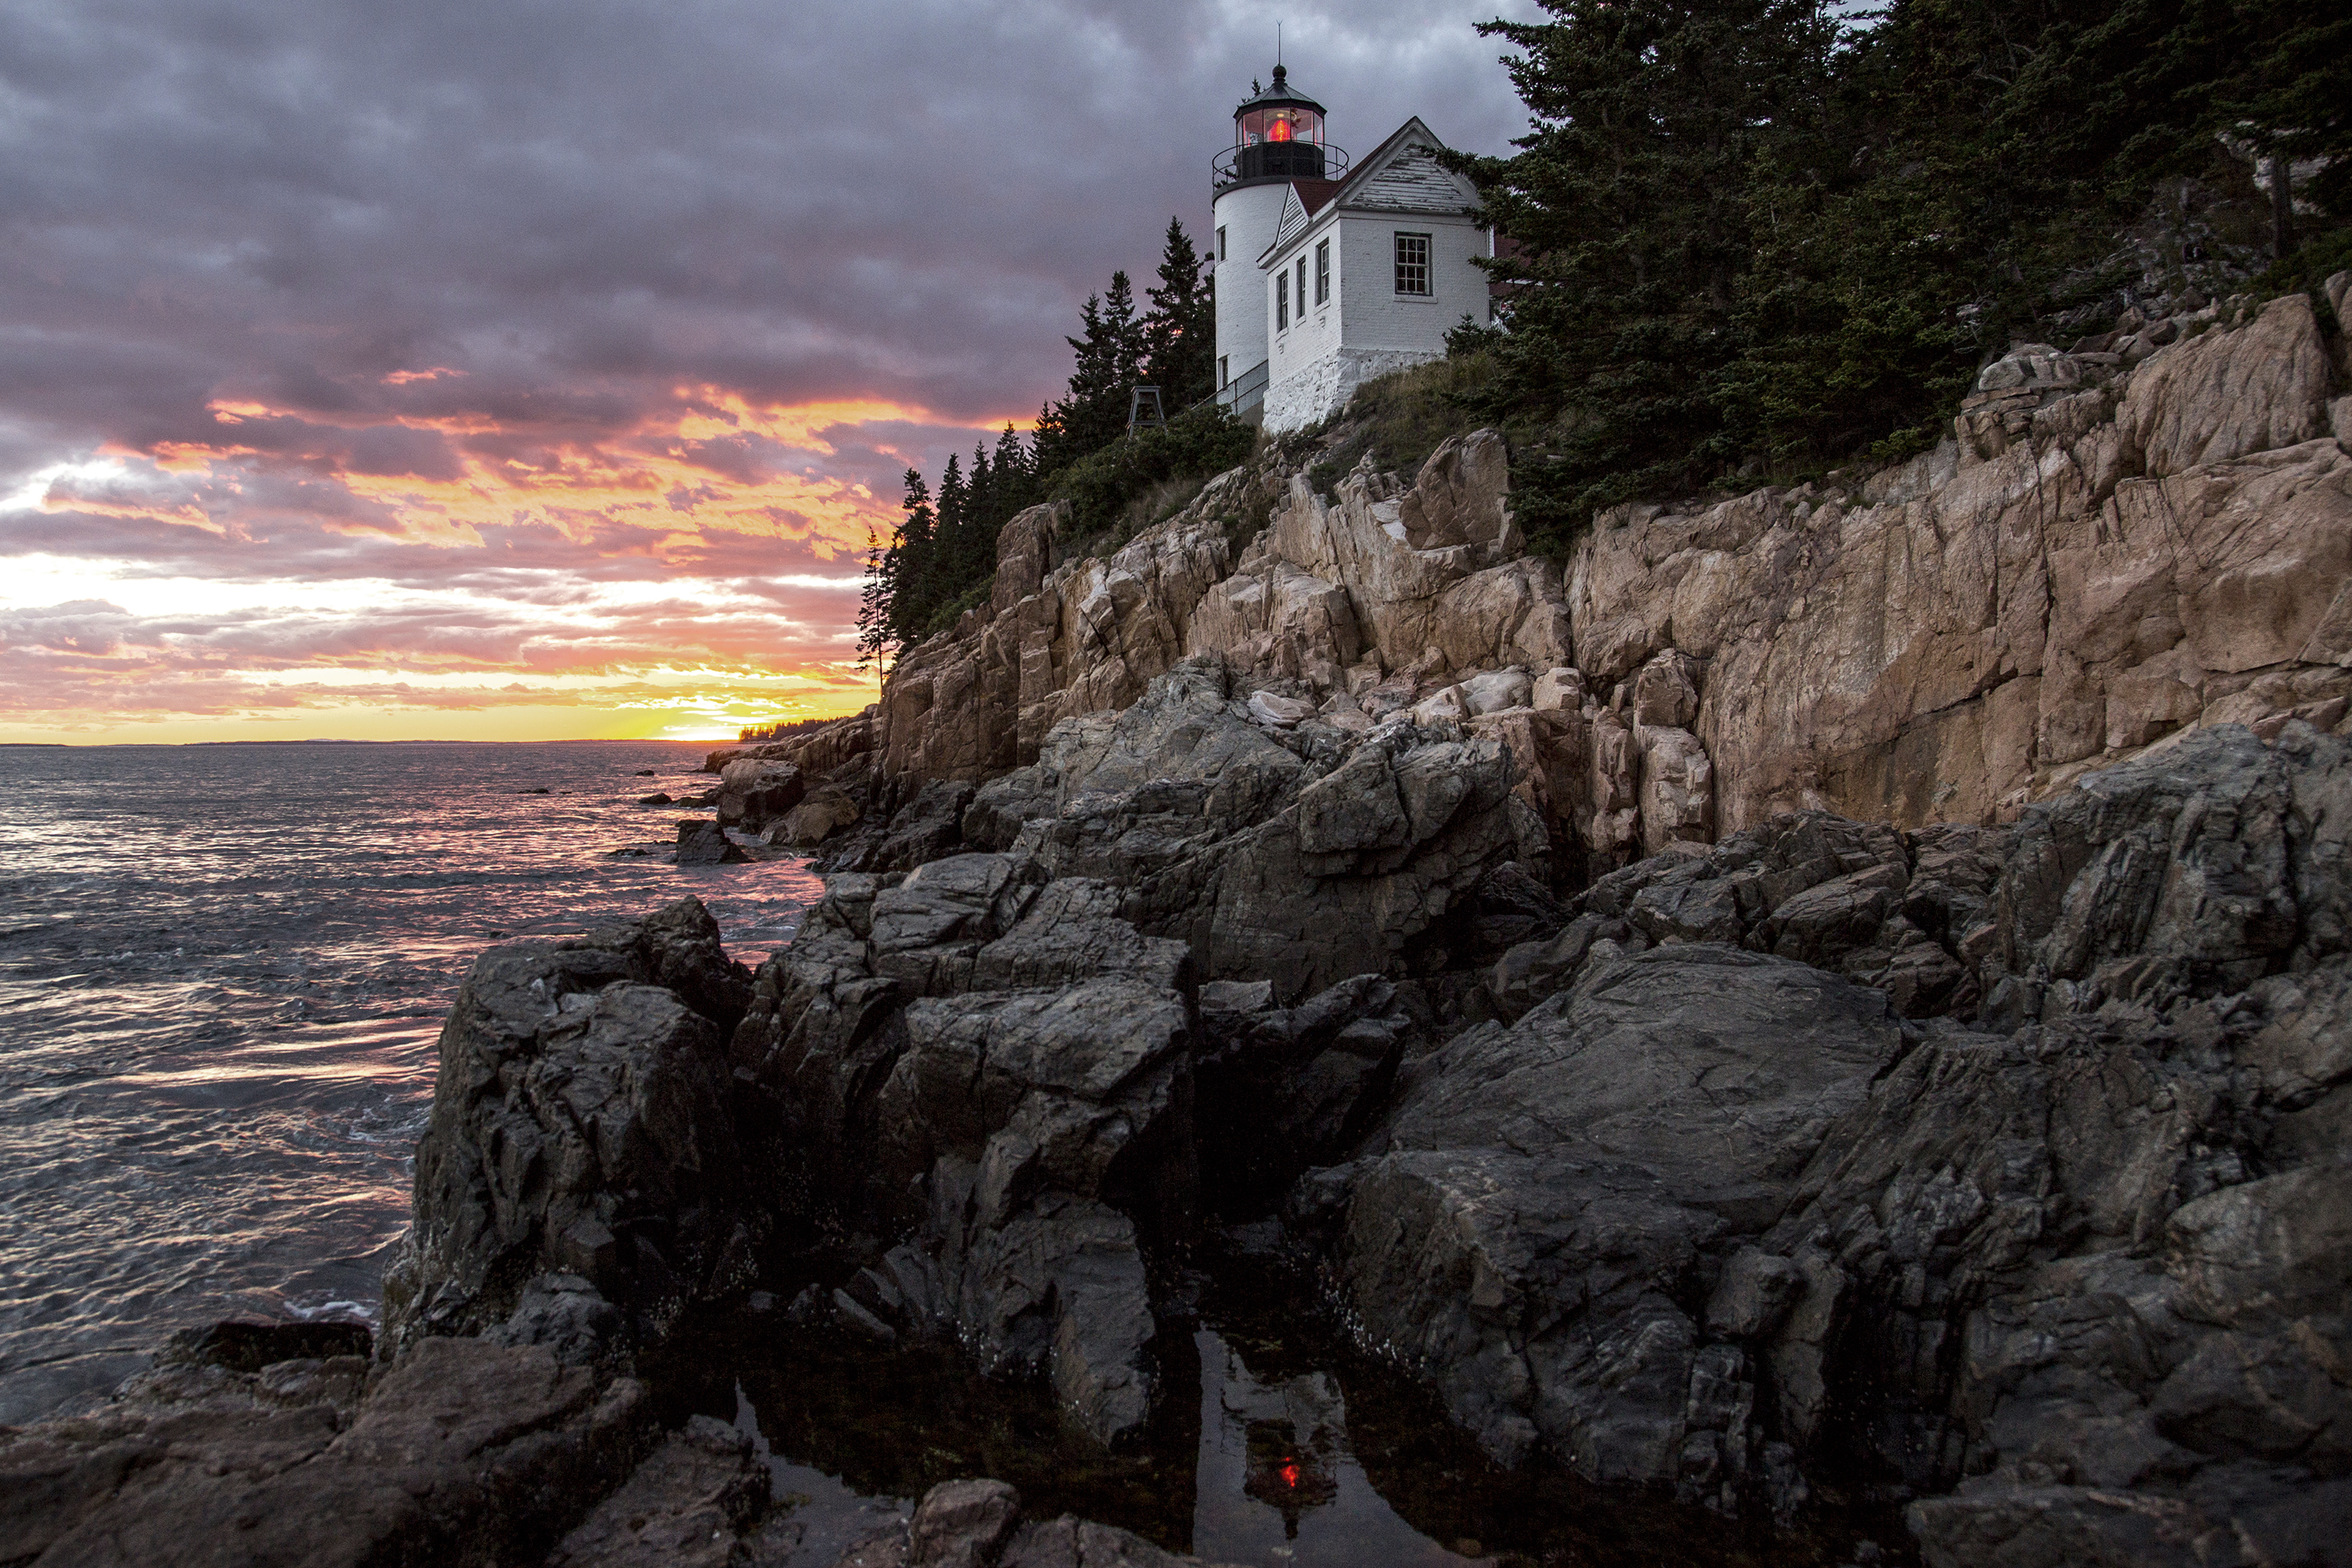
pixel 1004 1076
pixel 1525 1225
pixel 826 810
pixel 1842 895
pixel 753 791
pixel 685 1507
pixel 1298 869
pixel 1497 690
pixel 2097 1267
pixel 1666 692
pixel 1966 632
pixel 237 1366
pixel 1286 1088
pixel 977 1524
pixel 464 1452
pixel 1422 575
pixel 706 844
pixel 1678 788
pixel 580 1127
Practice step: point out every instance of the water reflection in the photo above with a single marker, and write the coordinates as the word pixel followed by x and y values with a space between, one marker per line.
pixel 1277 1481
pixel 1274 1444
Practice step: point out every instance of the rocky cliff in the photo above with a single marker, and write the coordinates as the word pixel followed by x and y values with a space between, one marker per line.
pixel 2115 547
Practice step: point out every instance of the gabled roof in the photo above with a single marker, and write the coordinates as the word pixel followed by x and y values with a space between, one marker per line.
pixel 1401 175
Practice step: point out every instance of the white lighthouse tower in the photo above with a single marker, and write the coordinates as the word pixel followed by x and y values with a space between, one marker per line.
pixel 1278 143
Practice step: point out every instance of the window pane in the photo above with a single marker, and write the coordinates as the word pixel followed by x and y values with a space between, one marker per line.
pixel 1323 273
pixel 1412 264
pixel 1282 298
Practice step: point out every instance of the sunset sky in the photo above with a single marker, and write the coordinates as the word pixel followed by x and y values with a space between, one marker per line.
pixel 526 371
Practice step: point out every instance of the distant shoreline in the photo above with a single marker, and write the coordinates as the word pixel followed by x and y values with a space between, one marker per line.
pixel 332 741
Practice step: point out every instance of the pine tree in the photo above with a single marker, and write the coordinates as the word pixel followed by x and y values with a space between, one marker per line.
pixel 909 573
pixel 1626 203
pixel 1015 476
pixel 1180 329
pixel 874 641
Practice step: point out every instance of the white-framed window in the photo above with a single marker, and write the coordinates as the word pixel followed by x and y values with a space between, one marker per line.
pixel 1224 376
pixel 1221 242
pixel 1412 264
pixel 1282 300
pixel 1323 272
pixel 1302 288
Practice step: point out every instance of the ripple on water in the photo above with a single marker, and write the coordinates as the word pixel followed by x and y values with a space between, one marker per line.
pixel 222 970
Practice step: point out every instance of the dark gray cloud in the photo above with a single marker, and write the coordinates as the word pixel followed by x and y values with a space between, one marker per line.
pixel 290 279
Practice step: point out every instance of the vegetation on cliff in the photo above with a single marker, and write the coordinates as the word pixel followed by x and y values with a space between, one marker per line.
pixel 1752 238
pixel 940 561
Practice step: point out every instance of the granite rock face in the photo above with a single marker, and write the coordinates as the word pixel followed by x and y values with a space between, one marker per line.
pixel 2111 555
pixel 1528 1224
pixel 2113 548
pixel 998 1069
pixel 2074 1276
pixel 579 1180
pixel 465 1451
pixel 1299 855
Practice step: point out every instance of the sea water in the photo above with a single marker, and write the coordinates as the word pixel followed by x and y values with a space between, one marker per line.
pixel 222 970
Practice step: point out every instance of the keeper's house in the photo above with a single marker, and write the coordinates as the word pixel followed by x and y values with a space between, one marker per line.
pixel 1328 276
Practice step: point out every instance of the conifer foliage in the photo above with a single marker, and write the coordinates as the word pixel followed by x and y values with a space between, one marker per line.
pixel 943 556
pixel 1763 236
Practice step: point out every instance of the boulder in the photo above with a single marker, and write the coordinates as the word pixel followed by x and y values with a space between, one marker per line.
pixel 580 1133
pixel 1301 856
pixel 1526 1224
pixel 754 791
pixel 464 1451
pixel 701 842
pixel 823 813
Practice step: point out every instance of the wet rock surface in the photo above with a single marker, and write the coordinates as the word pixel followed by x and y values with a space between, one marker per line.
pixel 465 1451
pixel 977 1524
pixel 1715 1216
pixel 579 1179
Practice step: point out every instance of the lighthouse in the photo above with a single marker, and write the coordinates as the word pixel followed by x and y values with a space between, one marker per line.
pixel 1279 141
pixel 1328 276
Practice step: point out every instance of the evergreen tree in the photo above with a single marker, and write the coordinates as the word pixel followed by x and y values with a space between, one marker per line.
pixel 1626 206
pixel 875 640
pixel 909 571
pixel 1180 336
pixel 1015 477
pixel 1110 354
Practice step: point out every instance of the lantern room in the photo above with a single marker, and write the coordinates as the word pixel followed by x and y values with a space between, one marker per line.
pixel 1277 135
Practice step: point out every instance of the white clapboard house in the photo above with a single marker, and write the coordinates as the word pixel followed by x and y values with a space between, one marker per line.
pixel 1328 276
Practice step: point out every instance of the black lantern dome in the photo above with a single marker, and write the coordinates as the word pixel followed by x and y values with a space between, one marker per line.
pixel 1277 135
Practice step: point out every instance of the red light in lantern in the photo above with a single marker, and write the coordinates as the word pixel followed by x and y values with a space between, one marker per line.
pixel 1290 1476
pixel 1278 132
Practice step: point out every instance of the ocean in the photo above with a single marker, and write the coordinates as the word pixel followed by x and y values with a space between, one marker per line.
pixel 222 971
